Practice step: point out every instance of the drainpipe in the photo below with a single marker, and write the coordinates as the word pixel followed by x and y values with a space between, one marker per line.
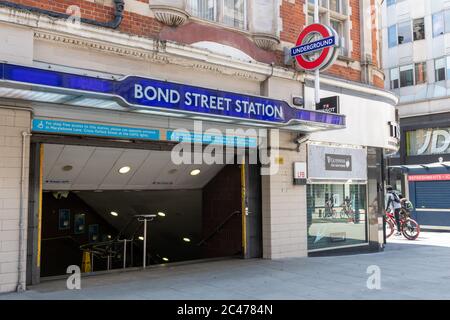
pixel 21 285
pixel 113 24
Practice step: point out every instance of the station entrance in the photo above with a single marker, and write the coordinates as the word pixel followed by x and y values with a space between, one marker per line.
pixel 104 205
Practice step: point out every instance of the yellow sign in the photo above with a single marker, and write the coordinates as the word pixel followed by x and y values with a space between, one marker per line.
pixel 86 263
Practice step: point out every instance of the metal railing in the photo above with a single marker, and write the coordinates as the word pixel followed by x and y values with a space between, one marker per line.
pixel 113 249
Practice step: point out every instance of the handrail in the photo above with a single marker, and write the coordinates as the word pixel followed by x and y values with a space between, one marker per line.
pixel 62 237
pixel 218 228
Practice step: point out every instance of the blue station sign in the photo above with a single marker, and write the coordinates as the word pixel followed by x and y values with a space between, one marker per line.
pixel 313 46
pixel 145 93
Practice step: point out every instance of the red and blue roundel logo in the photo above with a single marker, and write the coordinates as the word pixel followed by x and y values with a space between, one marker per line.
pixel 316 47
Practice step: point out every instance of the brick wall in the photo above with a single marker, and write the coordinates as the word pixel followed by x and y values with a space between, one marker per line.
pixel 293 20
pixel 12 124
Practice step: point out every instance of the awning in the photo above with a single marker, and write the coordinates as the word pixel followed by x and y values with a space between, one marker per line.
pixel 416 167
pixel 163 98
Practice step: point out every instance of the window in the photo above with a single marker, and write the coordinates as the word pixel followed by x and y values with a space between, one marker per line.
pixel 392 36
pixel 395 78
pixel 234 13
pixel 336 215
pixel 229 12
pixel 438 24
pixel 339 27
pixel 420 73
pixel 407 76
pixel 419 29
pixel 439 67
pixel 390 2
pixel 337 6
pixel 334 14
pixel 404 32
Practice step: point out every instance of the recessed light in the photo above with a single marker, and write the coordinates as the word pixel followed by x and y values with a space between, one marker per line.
pixel 141 238
pixel 113 213
pixel 186 240
pixel 195 172
pixel 165 259
pixel 67 168
pixel 124 170
pixel 161 214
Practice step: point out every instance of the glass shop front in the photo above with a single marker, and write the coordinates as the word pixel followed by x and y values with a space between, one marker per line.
pixel 336 197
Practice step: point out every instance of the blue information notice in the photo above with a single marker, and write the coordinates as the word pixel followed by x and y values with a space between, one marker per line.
pixel 232 141
pixel 92 129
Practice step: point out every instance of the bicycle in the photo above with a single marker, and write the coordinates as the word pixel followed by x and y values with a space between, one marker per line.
pixel 409 227
pixel 347 212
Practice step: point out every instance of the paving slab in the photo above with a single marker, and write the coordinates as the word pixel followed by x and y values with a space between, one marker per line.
pixel 409 270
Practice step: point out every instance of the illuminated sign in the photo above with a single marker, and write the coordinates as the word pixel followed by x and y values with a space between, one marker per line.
pixel 144 93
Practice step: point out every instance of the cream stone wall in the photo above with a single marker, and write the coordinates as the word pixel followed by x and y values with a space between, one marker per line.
pixel 284 204
pixel 12 124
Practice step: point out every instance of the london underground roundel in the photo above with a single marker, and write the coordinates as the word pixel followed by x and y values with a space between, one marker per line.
pixel 316 47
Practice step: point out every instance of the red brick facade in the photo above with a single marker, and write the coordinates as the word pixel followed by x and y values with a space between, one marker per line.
pixel 293 20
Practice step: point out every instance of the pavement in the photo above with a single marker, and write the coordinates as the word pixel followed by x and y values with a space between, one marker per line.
pixel 407 270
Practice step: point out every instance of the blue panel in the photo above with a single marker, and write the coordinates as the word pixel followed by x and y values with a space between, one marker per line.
pixel 243 142
pixel 57 79
pixel 431 195
pixel 77 128
pixel 143 92
pixel 433 218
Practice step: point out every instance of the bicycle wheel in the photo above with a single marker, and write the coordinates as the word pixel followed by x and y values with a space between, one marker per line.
pixel 390 228
pixel 411 229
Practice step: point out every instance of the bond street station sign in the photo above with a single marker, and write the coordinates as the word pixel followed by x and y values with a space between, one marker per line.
pixel 316 47
pixel 166 97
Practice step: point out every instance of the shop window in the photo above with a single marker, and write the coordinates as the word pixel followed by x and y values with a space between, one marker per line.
pixel 404 32
pixel 438 24
pixel 419 29
pixel 395 78
pixel 337 215
pixel 229 12
pixel 407 75
pixel 392 36
pixel 429 141
pixel 420 73
pixel 439 67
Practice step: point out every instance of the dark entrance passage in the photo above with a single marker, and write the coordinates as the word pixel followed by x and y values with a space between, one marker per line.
pixel 93 199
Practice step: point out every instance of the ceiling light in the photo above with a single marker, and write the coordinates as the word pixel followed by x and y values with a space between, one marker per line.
pixel 195 172
pixel 109 236
pixel 165 259
pixel 124 170
pixel 186 240
pixel 161 214
pixel 141 238
pixel 113 213
pixel 67 168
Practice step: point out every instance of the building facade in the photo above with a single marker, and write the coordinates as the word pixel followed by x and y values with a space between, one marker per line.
pixel 416 64
pixel 94 95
